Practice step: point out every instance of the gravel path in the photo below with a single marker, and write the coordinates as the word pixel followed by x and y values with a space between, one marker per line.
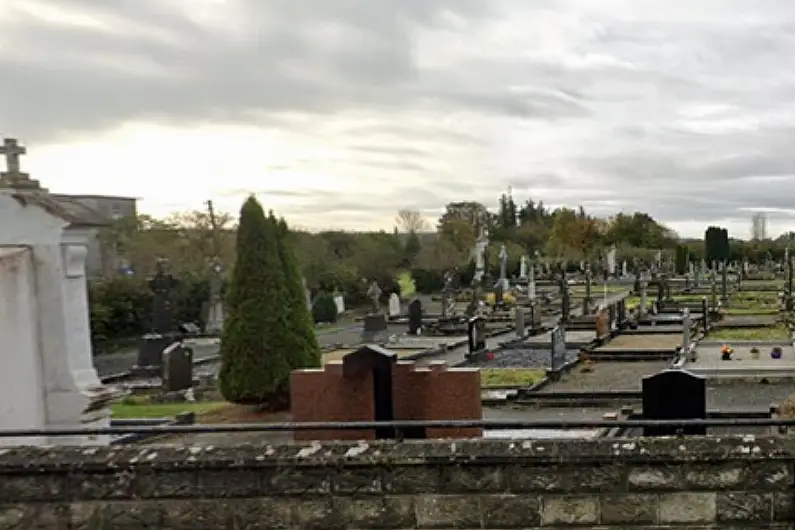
pixel 114 363
pixel 525 358
pixel 607 376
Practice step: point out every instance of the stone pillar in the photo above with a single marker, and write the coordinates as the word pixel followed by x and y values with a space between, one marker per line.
pixel 685 330
pixel 643 299
pixel 75 397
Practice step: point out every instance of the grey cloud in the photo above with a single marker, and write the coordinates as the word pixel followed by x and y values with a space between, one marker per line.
pixel 621 88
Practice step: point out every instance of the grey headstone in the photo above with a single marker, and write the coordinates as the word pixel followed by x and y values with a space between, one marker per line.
pixel 374 327
pixel 557 348
pixel 177 367
pixel 520 322
pixel 150 350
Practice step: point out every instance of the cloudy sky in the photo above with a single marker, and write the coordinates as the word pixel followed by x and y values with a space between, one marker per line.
pixel 338 112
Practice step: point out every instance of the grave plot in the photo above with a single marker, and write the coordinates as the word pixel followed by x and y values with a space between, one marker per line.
pixel 778 332
pixel 681 394
pixel 638 347
pixel 527 357
pixel 738 322
pixel 664 323
pixel 575 339
pixel 762 300
pixel 605 376
pixel 546 414
pixel 751 360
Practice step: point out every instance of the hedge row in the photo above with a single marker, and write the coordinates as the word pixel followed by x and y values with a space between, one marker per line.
pixel 121 308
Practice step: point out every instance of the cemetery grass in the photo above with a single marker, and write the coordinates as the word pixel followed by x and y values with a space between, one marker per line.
pixel 597 290
pixel 510 377
pixel 142 408
pixel 750 334
pixel 751 311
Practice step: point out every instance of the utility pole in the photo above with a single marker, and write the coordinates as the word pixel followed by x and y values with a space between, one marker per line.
pixel 214 227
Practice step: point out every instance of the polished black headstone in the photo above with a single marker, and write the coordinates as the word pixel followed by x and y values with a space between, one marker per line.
pixel 621 306
pixel 415 316
pixel 476 332
pixel 674 395
pixel 380 362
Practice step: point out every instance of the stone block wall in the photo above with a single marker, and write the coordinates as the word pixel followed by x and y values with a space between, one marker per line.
pixel 731 482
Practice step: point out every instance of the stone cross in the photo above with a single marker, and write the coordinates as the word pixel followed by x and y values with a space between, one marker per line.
pixel 216 278
pixel 449 293
pixel 215 313
pixel 12 151
pixel 162 286
pixel 565 300
pixel 586 303
pixel 14 177
pixel 724 294
pixel 685 331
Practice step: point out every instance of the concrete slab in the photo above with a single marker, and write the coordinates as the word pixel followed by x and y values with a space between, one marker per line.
pixel 572 337
pixel 743 365
pixel 529 414
pixel 408 342
pixel 606 376
pixel 660 341
pixel 745 321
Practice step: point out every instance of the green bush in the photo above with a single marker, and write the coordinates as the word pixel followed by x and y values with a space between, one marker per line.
pixel 302 350
pixel 120 309
pixel 324 310
pixel 254 367
pixel 427 281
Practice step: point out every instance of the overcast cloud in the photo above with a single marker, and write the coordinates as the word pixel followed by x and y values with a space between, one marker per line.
pixel 682 109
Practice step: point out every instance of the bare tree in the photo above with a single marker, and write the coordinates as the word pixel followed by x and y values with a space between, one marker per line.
pixel 411 221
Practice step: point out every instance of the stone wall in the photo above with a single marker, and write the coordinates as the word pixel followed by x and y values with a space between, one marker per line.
pixel 734 482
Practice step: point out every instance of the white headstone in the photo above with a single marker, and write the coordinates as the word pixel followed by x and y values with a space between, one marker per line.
pixel 339 301
pixel 611 261
pixel 394 305
pixel 523 267
pixel 44 328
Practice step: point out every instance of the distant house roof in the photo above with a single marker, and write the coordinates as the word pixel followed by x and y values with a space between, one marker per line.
pixel 71 211
pixel 97 197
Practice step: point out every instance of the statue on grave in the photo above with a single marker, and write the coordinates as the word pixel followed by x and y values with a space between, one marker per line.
pixel 215 312
pixel 449 293
pixel 162 286
pixel 216 278
pixel 481 245
pixel 503 266
pixel 374 294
